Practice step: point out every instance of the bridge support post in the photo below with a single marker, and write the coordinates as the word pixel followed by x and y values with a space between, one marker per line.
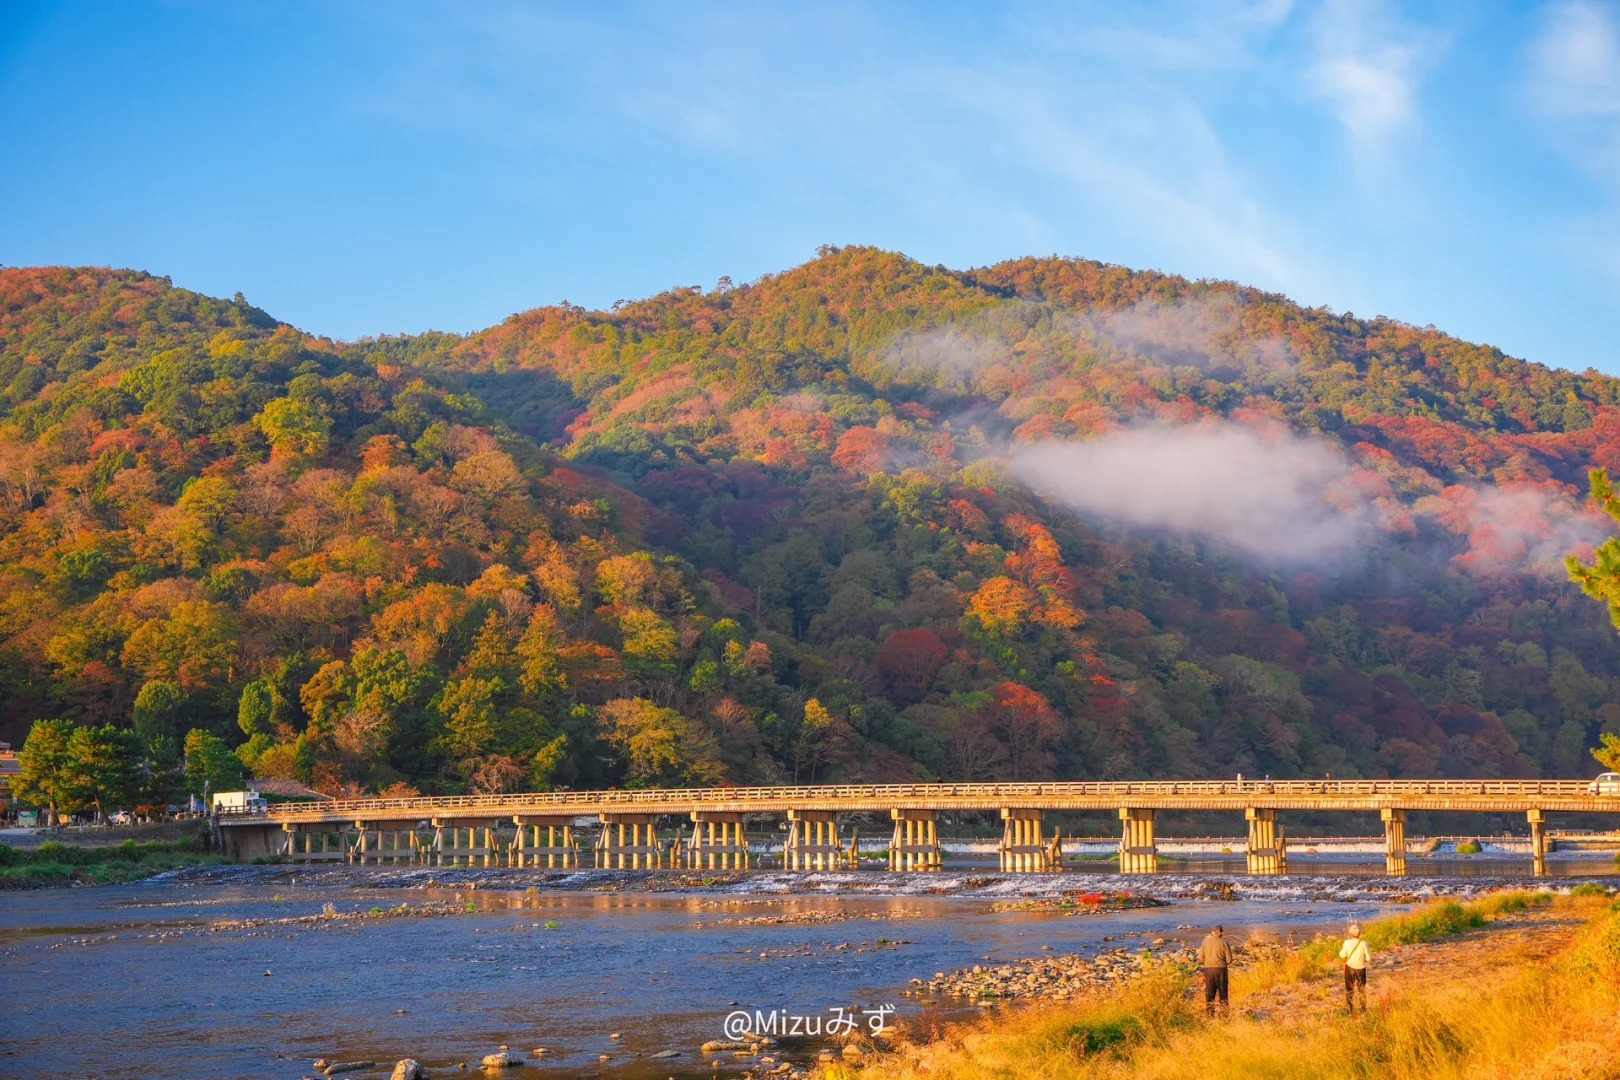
pixel 1394 841
pixel 915 845
pixel 1538 841
pixel 527 849
pixel 727 851
pixel 361 850
pixel 376 844
pixel 447 849
pixel 639 850
pixel 1137 851
pixel 1022 849
pixel 812 841
pixel 1267 852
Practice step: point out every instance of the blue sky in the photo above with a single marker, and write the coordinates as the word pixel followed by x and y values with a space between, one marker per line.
pixel 376 168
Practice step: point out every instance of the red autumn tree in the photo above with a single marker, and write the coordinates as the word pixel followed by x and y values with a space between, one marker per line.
pixel 1027 725
pixel 908 662
pixel 861 450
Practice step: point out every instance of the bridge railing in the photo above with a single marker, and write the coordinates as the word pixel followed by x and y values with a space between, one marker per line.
pixel 1007 794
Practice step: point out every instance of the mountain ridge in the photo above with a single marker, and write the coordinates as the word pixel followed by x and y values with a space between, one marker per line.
pixel 790 529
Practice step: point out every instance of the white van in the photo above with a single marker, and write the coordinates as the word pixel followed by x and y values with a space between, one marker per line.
pixel 239 802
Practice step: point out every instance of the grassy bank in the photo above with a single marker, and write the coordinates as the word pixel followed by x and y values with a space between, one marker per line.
pixel 1498 1008
pixel 62 864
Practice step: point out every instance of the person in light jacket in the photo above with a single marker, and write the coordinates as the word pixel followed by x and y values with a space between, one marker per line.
pixel 1216 956
pixel 1356 957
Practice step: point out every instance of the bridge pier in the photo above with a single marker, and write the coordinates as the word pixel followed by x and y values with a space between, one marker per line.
pixel 1137 851
pixel 1267 851
pixel 1538 841
pixel 1022 848
pixel 527 853
pixel 244 843
pixel 728 851
pixel 639 850
pixel 812 842
pixel 448 850
pixel 376 845
pixel 299 844
pixel 1394 841
pixel 915 845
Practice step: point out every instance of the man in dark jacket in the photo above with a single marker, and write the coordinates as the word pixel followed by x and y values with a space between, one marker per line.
pixel 1216 956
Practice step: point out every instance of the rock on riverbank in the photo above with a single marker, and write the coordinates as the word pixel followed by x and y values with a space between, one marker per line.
pixel 1066 976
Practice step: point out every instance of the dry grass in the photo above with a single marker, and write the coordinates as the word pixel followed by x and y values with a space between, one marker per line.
pixel 1495 1004
pixel 1431 922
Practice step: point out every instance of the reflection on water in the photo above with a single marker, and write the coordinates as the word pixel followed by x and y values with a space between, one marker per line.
pixel 129 980
pixel 1416 866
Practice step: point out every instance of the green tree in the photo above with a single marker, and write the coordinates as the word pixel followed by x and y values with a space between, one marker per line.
pixel 660 747
pixel 103 767
pixel 468 708
pixel 255 708
pixel 196 645
pixel 208 761
pixel 296 428
pixel 1607 752
pixel 163 776
pixel 547 762
pixel 43 761
pixel 158 709
pixel 1600 579
pixel 650 642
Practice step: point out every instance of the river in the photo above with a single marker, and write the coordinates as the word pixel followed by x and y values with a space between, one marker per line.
pixel 142 980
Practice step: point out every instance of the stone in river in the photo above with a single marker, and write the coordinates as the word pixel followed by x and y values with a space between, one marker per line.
pixel 501 1060
pixel 408 1069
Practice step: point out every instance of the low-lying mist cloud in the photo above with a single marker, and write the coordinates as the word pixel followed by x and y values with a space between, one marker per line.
pixel 1522 529
pixel 1204 332
pixel 1271 493
pixel 1268 493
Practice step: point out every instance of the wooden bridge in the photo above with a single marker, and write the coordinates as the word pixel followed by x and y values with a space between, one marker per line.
pixel 507 829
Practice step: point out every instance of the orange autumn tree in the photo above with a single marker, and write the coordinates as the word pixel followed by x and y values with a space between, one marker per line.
pixel 1027 727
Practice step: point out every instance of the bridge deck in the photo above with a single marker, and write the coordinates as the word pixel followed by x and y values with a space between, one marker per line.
pixel 1515 796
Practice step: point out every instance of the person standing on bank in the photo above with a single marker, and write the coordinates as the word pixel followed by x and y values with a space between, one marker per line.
pixel 1356 957
pixel 1216 956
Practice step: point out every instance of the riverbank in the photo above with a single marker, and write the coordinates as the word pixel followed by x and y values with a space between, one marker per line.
pixel 1515 984
pixel 145 832
pixel 257 975
pixel 55 865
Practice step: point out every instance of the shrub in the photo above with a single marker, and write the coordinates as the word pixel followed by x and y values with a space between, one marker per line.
pixel 1597 953
pixel 1469 847
pixel 9 856
pixel 1095 1036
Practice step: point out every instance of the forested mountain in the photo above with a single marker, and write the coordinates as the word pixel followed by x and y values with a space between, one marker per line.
pixel 862 520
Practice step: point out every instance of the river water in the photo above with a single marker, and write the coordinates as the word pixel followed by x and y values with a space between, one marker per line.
pixel 140 980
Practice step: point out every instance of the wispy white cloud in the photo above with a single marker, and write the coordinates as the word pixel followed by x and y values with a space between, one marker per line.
pixel 1093 134
pixel 1575 61
pixel 1572 81
pixel 1368 69
pixel 1189 37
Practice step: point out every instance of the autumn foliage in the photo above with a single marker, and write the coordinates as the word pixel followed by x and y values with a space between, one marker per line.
pixel 766 532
